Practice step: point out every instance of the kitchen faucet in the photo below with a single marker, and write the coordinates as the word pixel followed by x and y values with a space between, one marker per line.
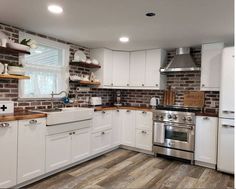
pixel 53 94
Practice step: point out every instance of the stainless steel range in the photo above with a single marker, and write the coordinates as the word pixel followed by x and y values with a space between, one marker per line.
pixel 174 132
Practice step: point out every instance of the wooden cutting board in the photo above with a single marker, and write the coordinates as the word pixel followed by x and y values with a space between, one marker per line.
pixel 194 99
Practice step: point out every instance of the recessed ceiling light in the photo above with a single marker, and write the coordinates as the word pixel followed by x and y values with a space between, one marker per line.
pixel 150 14
pixel 124 39
pixel 55 9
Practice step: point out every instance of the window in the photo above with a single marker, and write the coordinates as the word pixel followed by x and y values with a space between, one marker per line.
pixel 47 66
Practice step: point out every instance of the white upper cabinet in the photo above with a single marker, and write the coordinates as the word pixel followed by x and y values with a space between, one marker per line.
pixel 8 157
pixel 104 56
pixel 31 149
pixel 121 68
pixel 211 66
pixel 154 60
pixel 227 84
pixel 137 68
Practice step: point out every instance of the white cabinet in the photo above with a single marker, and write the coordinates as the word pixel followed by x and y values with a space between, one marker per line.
pixel 120 69
pixel 225 161
pixel 101 141
pixel 128 128
pixel 102 120
pixel 206 139
pixel 80 144
pixel 31 149
pixel 143 139
pixel 105 75
pixel 116 127
pixel 227 94
pixel 8 157
pixel 154 61
pixel 58 150
pixel 144 120
pixel 211 66
pixel 137 68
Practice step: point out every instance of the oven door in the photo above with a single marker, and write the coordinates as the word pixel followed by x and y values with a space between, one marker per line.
pixel 178 136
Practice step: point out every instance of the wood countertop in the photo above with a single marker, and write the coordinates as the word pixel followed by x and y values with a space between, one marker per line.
pixel 207 114
pixel 21 115
pixel 122 107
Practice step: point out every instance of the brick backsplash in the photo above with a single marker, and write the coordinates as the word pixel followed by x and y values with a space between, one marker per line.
pixel 181 82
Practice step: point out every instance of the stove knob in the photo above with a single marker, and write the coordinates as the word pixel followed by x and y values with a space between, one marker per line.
pixel 184 118
pixel 169 116
pixel 160 117
pixel 189 118
pixel 174 117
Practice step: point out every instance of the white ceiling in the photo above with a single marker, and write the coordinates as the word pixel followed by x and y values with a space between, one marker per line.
pixel 99 23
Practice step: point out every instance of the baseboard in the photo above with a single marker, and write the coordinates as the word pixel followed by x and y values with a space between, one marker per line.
pixel 204 164
pixel 136 149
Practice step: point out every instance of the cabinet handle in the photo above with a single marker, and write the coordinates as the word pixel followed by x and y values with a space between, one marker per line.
pixel 127 84
pixel 156 85
pixel 203 85
pixel 205 118
pixel 70 133
pixel 73 133
pixel 144 112
pixel 118 110
pixel 227 126
pixel 103 133
pixel 4 125
pixel 111 84
pixel 228 112
pixel 143 85
pixel 127 110
pixel 144 132
pixel 33 121
pixel 103 112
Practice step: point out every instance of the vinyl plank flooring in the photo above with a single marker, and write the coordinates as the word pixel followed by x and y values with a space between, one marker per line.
pixel 127 169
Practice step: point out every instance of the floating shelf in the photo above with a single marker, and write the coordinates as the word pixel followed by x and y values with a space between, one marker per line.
pixel 85 65
pixel 2 76
pixel 6 50
pixel 89 83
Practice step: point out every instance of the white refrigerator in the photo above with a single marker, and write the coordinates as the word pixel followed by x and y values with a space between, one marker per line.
pixel 225 158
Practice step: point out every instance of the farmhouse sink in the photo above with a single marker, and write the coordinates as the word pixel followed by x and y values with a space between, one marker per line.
pixel 66 115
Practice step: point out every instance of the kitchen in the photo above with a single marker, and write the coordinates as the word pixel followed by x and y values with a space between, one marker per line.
pixel 86 102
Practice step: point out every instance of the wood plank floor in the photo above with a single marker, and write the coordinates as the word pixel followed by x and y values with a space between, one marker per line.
pixel 127 169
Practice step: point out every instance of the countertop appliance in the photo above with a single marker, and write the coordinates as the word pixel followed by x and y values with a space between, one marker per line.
pixel 174 131
pixel 96 101
pixel 225 160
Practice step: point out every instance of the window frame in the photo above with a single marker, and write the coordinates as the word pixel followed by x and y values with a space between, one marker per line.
pixel 64 69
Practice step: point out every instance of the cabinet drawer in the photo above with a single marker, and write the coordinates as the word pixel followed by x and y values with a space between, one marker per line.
pixel 102 120
pixel 144 120
pixel 144 139
pixel 101 141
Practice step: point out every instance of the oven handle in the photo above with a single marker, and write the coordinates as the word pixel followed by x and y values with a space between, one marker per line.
pixel 185 127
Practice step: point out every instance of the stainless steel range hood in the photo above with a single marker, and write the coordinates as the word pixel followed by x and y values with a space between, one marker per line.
pixel 182 62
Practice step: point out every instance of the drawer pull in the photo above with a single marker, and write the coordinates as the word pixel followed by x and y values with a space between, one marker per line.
pixel 73 133
pixel 127 110
pixel 33 121
pixel 103 112
pixel 227 126
pixel 70 133
pixel 103 133
pixel 118 110
pixel 4 125
pixel 144 132
pixel 205 118
pixel 228 112
pixel 144 112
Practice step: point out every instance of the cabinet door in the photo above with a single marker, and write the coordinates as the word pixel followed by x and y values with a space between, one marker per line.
pixel 144 120
pixel 137 68
pixel 144 139
pixel 108 68
pixel 116 127
pixel 128 128
pixel 80 145
pixel 206 139
pixel 120 69
pixel 226 146
pixel 102 120
pixel 211 66
pixel 31 149
pixel 58 150
pixel 154 60
pixel 101 141
pixel 8 157
pixel 227 84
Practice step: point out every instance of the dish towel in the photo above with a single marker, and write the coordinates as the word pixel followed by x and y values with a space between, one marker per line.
pixel 159 132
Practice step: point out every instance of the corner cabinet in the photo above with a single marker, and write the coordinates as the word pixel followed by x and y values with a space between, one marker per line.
pixel 206 141
pixel 211 66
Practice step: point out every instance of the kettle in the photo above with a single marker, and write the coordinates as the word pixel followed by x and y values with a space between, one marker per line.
pixel 154 101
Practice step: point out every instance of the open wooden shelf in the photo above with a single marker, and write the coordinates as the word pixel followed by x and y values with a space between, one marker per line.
pixel 85 65
pixel 6 50
pixel 89 83
pixel 2 76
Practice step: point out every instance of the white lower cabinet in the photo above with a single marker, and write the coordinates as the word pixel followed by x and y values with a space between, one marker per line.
pixel 144 120
pixel 101 141
pixel 206 140
pixel 116 127
pixel 144 139
pixel 102 120
pixel 8 157
pixel 31 149
pixel 58 150
pixel 128 128
pixel 81 145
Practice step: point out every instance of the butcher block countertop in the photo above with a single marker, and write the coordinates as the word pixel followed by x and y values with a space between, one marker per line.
pixel 122 107
pixel 21 115
pixel 207 114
